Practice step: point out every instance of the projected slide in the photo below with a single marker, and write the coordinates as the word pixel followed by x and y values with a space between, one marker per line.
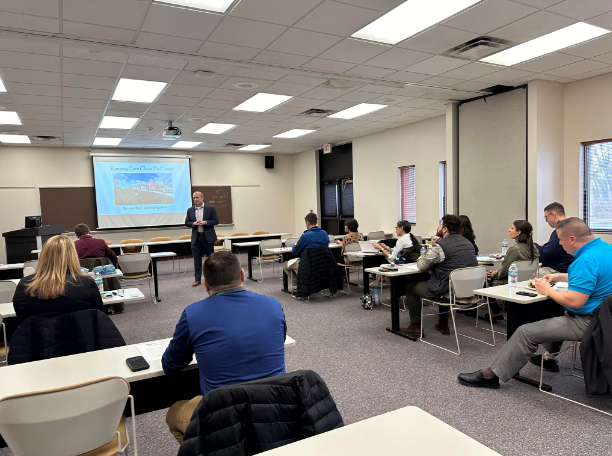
pixel 141 191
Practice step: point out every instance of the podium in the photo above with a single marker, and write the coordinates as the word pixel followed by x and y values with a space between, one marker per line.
pixel 20 243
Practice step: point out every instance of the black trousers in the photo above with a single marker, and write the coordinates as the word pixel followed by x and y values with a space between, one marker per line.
pixel 201 247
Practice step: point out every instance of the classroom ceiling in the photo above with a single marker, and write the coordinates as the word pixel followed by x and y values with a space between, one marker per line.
pixel 62 59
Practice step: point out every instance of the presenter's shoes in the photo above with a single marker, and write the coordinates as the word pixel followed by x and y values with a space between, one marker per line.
pixel 478 380
pixel 442 327
pixel 550 365
pixel 413 330
pixel 196 283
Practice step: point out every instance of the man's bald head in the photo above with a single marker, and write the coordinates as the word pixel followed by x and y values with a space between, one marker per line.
pixel 573 233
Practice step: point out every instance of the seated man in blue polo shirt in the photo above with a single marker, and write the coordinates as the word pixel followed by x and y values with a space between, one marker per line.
pixel 311 238
pixel 236 335
pixel 590 282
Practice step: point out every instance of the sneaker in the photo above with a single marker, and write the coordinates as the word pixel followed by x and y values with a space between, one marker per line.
pixel 550 365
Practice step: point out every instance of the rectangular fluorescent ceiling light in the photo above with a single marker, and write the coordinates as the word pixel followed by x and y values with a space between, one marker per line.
pixel 137 91
pixel 9 118
pixel 262 102
pixel 107 141
pixel 218 6
pixel 410 18
pixel 185 144
pixel 356 111
pixel 545 44
pixel 215 128
pixel 15 139
pixel 118 123
pixel 255 147
pixel 2 87
pixel 295 133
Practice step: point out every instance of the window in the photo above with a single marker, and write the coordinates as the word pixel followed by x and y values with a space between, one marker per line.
pixel 330 199
pixel 347 205
pixel 442 190
pixel 596 185
pixel 407 197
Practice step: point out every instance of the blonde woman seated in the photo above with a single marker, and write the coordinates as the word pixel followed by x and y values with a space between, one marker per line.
pixel 58 287
pixel 404 242
pixel 352 236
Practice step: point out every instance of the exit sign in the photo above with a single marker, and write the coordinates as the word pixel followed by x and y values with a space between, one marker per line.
pixel 327 148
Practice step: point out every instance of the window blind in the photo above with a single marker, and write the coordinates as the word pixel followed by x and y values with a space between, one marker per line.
pixel 346 199
pixel 443 189
pixel 330 200
pixel 596 185
pixel 407 193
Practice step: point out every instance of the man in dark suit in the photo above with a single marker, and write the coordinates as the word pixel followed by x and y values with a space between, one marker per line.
pixel 201 218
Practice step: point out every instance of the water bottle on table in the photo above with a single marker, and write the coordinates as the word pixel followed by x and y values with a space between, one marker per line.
pixel 512 275
pixel 376 295
pixel 423 250
pixel 504 247
pixel 99 282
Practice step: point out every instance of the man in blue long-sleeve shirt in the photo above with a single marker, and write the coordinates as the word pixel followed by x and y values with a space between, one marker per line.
pixel 554 259
pixel 236 335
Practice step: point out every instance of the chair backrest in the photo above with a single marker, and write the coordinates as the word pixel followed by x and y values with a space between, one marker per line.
pixel 7 290
pixel 355 247
pixel 419 239
pixel 290 242
pixel 527 269
pixel 131 249
pixel 376 235
pixel 332 238
pixel 184 237
pixel 464 281
pixel 162 239
pixel 134 263
pixel 28 271
pixel 264 246
pixel 69 420
pixel 109 242
pixel 31 264
pixel 261 232
pixel 240 233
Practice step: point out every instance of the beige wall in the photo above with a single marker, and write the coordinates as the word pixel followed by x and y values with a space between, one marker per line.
pixel 305 187
pixel 375 161
pixel 266 204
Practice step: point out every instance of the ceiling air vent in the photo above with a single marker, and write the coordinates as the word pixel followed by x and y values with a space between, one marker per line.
pixel 478 48
pixel 45 138
pixel 317 112
pixel 499 89
pixel 234 145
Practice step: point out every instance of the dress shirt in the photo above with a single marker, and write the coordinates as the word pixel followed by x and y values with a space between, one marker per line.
pixel 89 247
pixel 199 213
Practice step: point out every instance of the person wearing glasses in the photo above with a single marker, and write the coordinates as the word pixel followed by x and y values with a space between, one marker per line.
pixel 405 240
pixel 554 259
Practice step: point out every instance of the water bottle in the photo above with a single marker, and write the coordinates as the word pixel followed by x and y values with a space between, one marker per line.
pixel 98 280
pixel 504 246
pixel 512 275
pixel 423 250
pixel 377 295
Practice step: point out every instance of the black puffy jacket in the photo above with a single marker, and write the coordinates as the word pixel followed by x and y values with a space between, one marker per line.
pixel 596 352
pixel 79 332
pixel 318 271
pixel 260 415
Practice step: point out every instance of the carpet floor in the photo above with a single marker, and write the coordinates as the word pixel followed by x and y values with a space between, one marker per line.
pixel 370 371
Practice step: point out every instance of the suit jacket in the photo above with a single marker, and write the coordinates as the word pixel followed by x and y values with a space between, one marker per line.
pixel 210 216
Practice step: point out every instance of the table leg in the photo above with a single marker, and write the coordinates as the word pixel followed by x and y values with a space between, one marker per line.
pixel 394 285
pixel 285 257
pixel 154 270
pixel 250 256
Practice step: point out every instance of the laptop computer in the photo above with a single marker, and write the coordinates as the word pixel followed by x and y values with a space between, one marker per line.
pixel 367 247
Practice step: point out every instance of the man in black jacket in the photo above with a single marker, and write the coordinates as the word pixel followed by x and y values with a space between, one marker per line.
pixel 201 218
pixel 554 259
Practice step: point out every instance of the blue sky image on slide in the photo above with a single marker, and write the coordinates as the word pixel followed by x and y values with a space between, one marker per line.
pixel 143 188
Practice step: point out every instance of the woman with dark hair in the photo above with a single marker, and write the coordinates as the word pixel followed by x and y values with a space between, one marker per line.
pixel 467 231
pixel 405 241
pixel 352 236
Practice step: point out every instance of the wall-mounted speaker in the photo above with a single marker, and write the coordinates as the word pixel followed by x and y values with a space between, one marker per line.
pixel 269 161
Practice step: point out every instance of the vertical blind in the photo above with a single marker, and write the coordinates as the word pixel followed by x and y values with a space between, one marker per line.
pixel 442 189
pixel 347 204
pixel 407 193
pixel 330 199
pixel 596 185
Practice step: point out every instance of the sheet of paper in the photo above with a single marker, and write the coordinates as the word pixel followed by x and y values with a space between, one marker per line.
pixel 154 350
pixel 292 261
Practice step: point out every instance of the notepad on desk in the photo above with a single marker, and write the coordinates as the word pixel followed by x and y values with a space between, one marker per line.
pixel 154 350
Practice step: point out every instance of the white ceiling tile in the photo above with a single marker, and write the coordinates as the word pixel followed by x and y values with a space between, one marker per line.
pixel 173 100
pixel 436 65
pixel 282 88
pixel 79 118
pixel 261 84
pixel 376 89
pixel 442 81
pixel 91 68
pixel 98 31
pixel 259 74
pixel 125 14
pixel 489 15
pixel 337 18
pixel 166 109
pixel 437 39
pixel 470 85
pixel 83 103
pixel 84 112
pixel 230 95
pixel 286 12
pixel 94 54
pixel 412 91
pixel 153 61
pixel 353 51
pixel 398 59
pixel 590 74
pixel 29 46
pixel 581 9
pixel 606 58
pixel 328 65
pixel 547 62
pixel 149 73
pixel 188 91
pixel 273 117
pixel 36 89
pixel 186 23
pixel 508 74
pixel 532 26
pixel 406 76
pixel 538 3
pixel 303 42
pixel 378 5
pixel 88 82
pixel 280 58
pixel 168 43
pixel 604 21
pixel 27 22
pixel 90 94
pixel 29 61
pixel 323 93
pixel 598 46
pixel 472 70
pixel 244 32
pixel 358 97
pixel 216 104
pixel 300 102
pixel 566 80
pixel 287 110
pixel 30 77
pixel 302 80
pixel 370 72
pixel 228 51
pixel 574 69
pixel 40 109
pixel 43 8
pixel 126 106
pixel 449 94
pixel 35 116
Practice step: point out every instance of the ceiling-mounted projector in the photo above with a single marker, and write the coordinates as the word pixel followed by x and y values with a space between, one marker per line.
pixel 171 132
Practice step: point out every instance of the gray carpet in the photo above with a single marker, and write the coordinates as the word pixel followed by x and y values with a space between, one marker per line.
pixel 370 371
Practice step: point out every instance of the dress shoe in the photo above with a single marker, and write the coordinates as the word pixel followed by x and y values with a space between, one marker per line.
pixel 476 379
pixel 494 317
pixel 442 327
pixel 412 330
pixel 196 283
pixel 550 365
